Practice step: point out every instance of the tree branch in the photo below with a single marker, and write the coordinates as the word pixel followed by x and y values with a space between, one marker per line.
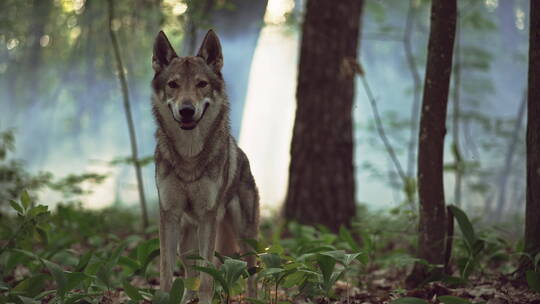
pixel 129 118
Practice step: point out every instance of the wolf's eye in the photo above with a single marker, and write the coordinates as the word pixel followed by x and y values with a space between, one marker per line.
pixel 202 84
pixel 172 84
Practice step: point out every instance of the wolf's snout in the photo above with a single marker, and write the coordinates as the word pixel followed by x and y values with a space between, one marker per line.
pixel 187 111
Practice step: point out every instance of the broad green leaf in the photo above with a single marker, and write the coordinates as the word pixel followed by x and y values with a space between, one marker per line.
pixel 309 272
pixel 37 210
pixel 27 253
pixel 464 224
pixel 454 281
pixel 326 264
pixel 337 255
pixel 408 300
pixel 160 297
pixel 16 206
pixel 296 278
pixel 145 249
pixel 59 277
pixel 154 254
pixel 216 275
pixel 83 261
pixel 129 263
pixel 44 294
pixel 74 279
pixel 478 246
pixel 105 270
pixel 271 260
pixel 270 271
pixel 350 257
pixel 177 291
pixel 31 286
pixel 453 300
pixel 533 279
pixel 346 236
pixel 132 292
pixel 25 199
pixel 43 235
pixel 323 248
pixel 276 248
pixel 232 269
pixel 16 257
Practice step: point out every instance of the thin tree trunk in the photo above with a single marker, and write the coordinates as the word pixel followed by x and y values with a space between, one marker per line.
pixel 417 83
pixel 321 175
pixel 127 108
pixel 509 160
pixel 532 213
pixel 432 233
pixel 456 149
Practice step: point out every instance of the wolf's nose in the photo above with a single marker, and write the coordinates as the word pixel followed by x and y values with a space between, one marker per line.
pixel 187 111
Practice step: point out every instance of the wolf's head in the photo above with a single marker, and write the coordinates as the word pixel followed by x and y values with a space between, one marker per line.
pixel 188 89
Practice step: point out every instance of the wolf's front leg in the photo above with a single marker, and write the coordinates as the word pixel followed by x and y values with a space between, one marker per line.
pixel 207 242
pixel 168 236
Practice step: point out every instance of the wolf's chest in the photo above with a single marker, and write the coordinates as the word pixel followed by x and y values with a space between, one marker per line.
pixel 209 193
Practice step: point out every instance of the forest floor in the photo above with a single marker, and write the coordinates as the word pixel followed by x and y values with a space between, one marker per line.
pixel 96 260
pixel 382 286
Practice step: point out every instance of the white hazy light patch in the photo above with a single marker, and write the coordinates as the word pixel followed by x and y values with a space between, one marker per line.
pixel 520 18
pixel 45 40
pixel 276 10
pixel 12 43
pixel 492 5
pixel 269 112
pixel 177 7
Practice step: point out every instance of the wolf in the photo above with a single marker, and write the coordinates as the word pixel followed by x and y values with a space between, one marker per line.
pixel 208 199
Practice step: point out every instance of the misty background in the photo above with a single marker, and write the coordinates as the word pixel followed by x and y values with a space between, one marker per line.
pixel 60 93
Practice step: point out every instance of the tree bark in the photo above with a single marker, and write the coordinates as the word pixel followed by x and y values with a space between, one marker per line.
pixel 432 231
pixel 321 186
pixel 532 212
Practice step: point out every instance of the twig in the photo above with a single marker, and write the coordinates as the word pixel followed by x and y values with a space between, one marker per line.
pixel 129 118
pixel 417 82
pixel 380 129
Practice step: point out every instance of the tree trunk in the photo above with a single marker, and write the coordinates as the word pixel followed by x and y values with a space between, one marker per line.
pixel 432 231
pixel 532 213
pixel 321 175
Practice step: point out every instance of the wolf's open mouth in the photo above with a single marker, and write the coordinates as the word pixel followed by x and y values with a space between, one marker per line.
pixel 191 124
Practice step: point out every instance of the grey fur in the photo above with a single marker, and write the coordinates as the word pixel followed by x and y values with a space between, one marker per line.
pixel 203 178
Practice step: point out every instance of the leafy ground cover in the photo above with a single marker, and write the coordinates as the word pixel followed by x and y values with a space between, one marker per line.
pixel 73 255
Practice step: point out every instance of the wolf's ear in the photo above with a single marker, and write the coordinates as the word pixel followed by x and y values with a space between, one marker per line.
pixel 163 52
pixel 210 51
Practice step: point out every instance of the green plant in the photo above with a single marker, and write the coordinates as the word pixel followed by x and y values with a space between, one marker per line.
pixel 473 245
pixel 533 275
pixel 227 275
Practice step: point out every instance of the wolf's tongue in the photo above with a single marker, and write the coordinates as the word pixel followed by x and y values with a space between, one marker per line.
pixel 188 123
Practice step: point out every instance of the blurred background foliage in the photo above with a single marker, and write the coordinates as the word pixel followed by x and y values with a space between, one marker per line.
pixel 59 93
